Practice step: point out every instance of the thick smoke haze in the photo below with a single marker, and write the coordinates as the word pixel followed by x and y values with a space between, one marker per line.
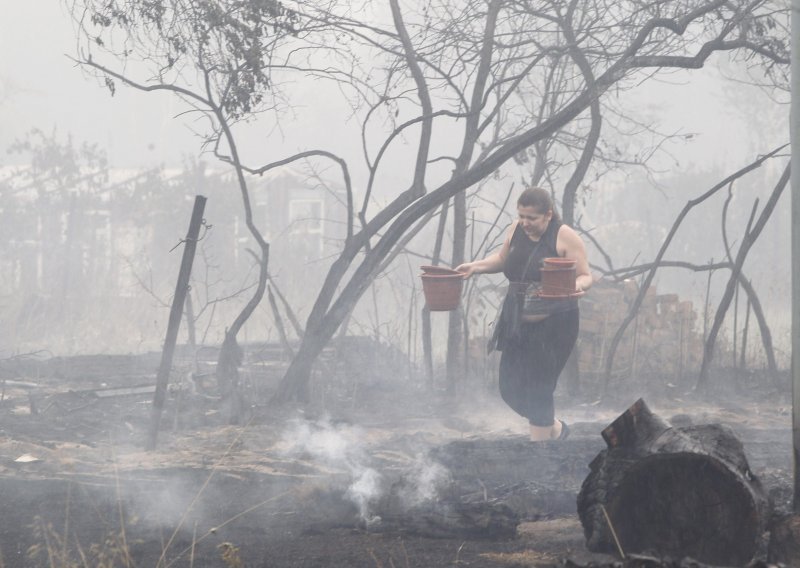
pixel 716 125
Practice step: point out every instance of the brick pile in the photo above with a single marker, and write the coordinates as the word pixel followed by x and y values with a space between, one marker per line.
pixel 662 340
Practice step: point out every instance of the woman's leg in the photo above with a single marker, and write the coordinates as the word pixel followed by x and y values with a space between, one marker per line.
pixel 540 434
pixel 512 378
pixel 529 371
pixel 550 345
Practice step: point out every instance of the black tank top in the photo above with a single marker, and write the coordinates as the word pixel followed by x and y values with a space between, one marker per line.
pixel 522 248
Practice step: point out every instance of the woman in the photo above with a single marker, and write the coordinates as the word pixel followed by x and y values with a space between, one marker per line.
pixel 534 355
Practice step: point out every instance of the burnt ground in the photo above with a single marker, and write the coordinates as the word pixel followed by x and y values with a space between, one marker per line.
pixel 304 486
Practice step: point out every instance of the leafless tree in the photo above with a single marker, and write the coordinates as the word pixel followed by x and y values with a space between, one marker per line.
pixel 514 41
pixel 429 68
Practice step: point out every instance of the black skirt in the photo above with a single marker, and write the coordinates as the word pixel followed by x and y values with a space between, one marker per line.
pixel 531 363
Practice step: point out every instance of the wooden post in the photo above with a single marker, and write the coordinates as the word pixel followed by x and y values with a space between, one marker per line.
pixel 175 314
pixel 794 123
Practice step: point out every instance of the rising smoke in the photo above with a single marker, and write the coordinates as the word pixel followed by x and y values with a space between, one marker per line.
pixel 343 451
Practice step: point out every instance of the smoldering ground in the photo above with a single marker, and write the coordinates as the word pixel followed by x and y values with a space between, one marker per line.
pixel 325 488
pixel 358 475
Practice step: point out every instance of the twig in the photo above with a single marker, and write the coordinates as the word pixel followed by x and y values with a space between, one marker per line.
pixel 194 540
pixel 613 532
pixel 458 553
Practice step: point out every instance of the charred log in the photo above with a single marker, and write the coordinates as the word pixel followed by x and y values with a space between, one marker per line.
pixel 450 519
pixel 643 561
pixel 447 515
pixel 535 480
pixel 677 491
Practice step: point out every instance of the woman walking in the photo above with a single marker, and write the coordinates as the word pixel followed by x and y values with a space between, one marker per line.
pixel 537 341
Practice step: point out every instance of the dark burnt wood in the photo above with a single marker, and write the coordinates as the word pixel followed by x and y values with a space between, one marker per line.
pixel 674 491
pixel 450 519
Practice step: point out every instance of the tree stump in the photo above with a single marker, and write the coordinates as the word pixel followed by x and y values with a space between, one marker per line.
pixel 673 491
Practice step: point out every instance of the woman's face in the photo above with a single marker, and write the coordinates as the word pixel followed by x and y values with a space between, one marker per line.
pixel 533 222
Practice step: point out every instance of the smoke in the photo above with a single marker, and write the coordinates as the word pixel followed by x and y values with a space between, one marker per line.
pixel 364 491
pixel 341 450
pixel 424 480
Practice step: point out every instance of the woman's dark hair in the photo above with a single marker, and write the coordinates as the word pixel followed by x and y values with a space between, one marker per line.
pixel 539 199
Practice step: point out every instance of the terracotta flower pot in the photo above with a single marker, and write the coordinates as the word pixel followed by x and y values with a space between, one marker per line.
pixel 557 281
pixel 442 270
pixel 442 291
pixel 559 262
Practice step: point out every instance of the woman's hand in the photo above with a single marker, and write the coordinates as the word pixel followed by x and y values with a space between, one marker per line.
pixel 467 269
pixel 583 283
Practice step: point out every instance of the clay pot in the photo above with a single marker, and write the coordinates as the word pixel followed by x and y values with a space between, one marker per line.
pixel 557 281
pixel 559 262
pixel 441 270
pixel 442 291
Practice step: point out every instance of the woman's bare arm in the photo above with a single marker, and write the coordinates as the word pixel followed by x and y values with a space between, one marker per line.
pixel 570 245
pixel 493 263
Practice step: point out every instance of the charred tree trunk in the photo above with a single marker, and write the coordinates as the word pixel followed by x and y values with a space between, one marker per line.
pixel 231 355
pixel 676 491
pixel 276 316
pixel 290 315
pixel 634 309
pixel 228 363
pixel 766 335
pixel 295 384
pixel 750 237
pixel 455 324
pixel 427 331
pixel 569 197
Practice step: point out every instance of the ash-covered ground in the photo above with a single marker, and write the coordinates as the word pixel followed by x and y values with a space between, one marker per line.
pixel 353 479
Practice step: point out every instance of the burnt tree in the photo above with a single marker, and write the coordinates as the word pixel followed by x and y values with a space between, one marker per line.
pixel 677 491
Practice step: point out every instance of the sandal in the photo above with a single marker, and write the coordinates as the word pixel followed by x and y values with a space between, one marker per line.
pixel 564 431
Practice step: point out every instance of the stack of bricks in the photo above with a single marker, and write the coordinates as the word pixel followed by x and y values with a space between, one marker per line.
pixel 661 340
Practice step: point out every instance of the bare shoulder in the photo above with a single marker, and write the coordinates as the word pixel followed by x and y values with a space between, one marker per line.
pixel 511 230
pixel 568 240
pixel 568 233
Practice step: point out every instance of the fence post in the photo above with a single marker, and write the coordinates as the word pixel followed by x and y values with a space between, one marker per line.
pixel 175 315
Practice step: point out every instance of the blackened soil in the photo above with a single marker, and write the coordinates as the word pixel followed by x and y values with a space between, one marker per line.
pixel 77 488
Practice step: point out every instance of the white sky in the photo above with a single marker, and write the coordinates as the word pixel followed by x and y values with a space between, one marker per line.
pixel 41 88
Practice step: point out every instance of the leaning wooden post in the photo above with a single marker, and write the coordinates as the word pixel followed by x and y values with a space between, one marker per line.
pixel 794 123
pixel 175 315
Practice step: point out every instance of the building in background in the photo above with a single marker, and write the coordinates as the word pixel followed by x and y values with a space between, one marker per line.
pixel 89 261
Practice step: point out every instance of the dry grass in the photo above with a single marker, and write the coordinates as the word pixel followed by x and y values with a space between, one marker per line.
pixel 525 558
pixel 53 550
